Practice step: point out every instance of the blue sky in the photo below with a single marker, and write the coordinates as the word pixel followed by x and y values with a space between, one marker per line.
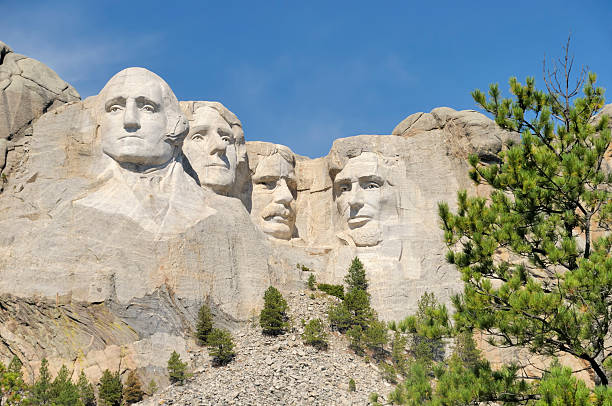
pixel 305 73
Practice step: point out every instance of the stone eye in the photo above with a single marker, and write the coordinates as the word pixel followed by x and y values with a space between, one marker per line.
pixel 345 187
pixel 148 108
pixel 115 108
pixel 197 137
pixel 372 185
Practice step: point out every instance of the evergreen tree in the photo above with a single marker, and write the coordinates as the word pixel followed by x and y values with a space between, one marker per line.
pixel 273 317
pixel 312 282
pixel 63 391
pixel 356 276
pixel 41 390
pixel 13 390
pixel 551 204
pixel 86 390
pixel 315 335
pixel 221 346
pixel 132 390
pixel 204 325
pixel 152 387
pixel 111 389
pixel 176 368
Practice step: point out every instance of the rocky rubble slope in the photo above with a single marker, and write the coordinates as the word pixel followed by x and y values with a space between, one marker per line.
pixel 280 370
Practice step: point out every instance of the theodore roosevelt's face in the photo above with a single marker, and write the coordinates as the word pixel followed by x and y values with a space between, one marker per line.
pixel 273 196
pixel 211 150
pixel 133 123
pixel 359 190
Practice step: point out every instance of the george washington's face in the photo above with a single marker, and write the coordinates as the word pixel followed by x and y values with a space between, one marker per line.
pixel 133 123
pixel 273 196
pixel 211 150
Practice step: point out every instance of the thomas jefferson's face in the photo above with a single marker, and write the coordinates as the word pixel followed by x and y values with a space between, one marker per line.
pixel 360 197
pixel 211 150
pixel 273 197
pixel 133 123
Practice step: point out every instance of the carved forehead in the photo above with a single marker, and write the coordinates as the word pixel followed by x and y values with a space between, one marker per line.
pixel 206 116
pixel 274 165
pixel 138 82
pixel 367 164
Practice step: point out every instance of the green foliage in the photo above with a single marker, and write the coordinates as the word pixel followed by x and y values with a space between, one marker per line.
pixel 551 205
pixel 204 324
pixel 312 282
pixel 63 391
pixel 176 368
pixel 355 279
pixel 111 390
pixel 389 373
pixel 273 317
pixel 351 385
pixel 376 337
pixel 398 352
pixel 560 387
pixel 466 350
pixel 333 290
pixel 132 390
pixel 86 390
pixel 41 389
pixel 315 335
pixel 416 388
pixel 221 346
pixel 152 387
pixel 12 387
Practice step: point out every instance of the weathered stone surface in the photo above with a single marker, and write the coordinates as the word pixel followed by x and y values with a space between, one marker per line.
pixel 28 89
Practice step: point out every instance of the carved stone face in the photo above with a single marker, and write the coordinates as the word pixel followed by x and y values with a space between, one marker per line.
pixel 133 122
pixel 211 150
pixel 361 193
pixel 273 197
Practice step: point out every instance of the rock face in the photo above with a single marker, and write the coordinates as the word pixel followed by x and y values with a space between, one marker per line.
pixel 28 89
pixel 123 213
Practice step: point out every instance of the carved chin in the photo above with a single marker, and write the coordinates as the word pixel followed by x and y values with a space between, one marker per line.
pixel 366 236
pixel 217 178
pixel 274 229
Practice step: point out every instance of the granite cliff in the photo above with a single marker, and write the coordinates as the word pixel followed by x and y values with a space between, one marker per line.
pixel 121 214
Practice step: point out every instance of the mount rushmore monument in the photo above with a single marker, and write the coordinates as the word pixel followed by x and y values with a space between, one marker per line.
pixel 123 213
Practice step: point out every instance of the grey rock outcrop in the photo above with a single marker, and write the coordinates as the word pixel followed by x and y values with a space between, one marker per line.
pixel 28 89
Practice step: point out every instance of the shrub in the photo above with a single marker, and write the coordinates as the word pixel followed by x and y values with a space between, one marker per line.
pixel 132 391
pixel 315 335
pixel 111 389
pixel 273 317
pixel 176 368
pixel 333 290
pixel 204 325
pixel 221 346
pixel 312 282
pixel 152 387
pixel 351 386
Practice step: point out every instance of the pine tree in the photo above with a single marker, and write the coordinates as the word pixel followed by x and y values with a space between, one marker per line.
pixel 356 276
pixel 41 390
pixel 550 215
pixel 86 390
pixel 13 390
pixel 273 317
pixel 221 346
pixel 204 325
pixel 63 391
pixel 111 389
pixel 152 387
pixel 315 335
pixel 176 368
pixel 132 390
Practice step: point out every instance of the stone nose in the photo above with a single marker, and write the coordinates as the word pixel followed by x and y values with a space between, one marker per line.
pixel 217 144
pixel 355 197
pixel 131 118
pixel 282 193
